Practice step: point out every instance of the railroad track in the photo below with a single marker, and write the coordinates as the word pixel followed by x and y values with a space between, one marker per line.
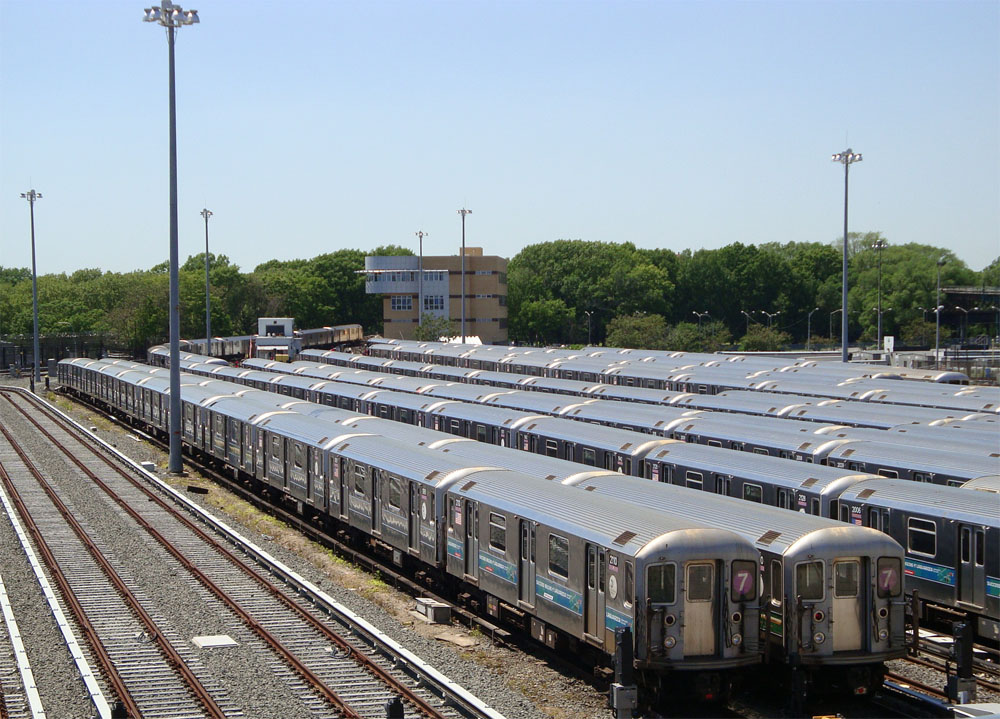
pixel 326 666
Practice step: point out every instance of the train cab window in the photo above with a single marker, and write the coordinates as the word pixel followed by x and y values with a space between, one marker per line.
pixel 753 493
pixel 809 581
pixel 629 588
pixel 661 583
pixel 275 447
pixel 404 415
pixel 845 579
pixel 888 473
pixel 693 480
pixel 921 537
pixel 456 427
pixel 777 588
pixel 394 494
pixel 297 457
pixel 589 456
pixel 700 581
pixel 551 448
pixel 890 577
pixel 743 584
pixel 359 479
pixel 498 532
pixel 814 506
pixel 559 556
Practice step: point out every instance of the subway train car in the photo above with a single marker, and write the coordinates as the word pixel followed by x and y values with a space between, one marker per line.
pixel 574 566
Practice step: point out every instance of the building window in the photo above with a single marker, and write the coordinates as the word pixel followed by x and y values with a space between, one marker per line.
pixel 433 302
pixel 503 278
pixel 502 299
pixel 401 303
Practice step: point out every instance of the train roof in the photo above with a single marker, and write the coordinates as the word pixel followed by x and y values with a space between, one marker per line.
pixel 881 416
pixel 987 483
pixel 619 440
pixel 920 459
pixel 955 503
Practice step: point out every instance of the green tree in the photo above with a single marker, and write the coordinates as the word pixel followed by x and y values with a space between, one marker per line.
pixel 433 327
pixel 761 339
pixel 542 321
pixel 638 331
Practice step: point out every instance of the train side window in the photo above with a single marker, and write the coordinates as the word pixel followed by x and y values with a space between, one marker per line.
pixel 589 456
pixel 359 478
pixel 814 506
pixel 700 581
pixel 404 415
pixel 395 494
pixel 889 473
pixel 809 581
pixel 760 450
pixel 456 426
pixel 714 443
pixel 753 493
pixel 777 589
pixel 693 480
pixel 559 556
pixel 661 583
pixel 890 576
pixel 845 579
pixel 480 432
pixel 498 532
pixel 551 448
pixel 743 584
pixel 921 537
pixel 629 588
pixel 953 482
pixel 275 447
pixel 297 454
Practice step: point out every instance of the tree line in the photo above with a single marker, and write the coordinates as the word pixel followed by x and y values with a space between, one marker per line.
pixel 564 291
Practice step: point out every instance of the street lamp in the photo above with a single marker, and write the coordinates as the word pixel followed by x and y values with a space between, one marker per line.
pixel 846 158
pixel 770 316
pixel 965 324
pixel 420 278
pixel 923 324
pixel 463 212
pixel 747 315
pixel 589 314
pixel 879 245
pixel 809 326
pixel 879 311
pixel 937 315
pixel 206 213
pixel 700 315
pixel 31 196
pixel 173 17
pixel 831 321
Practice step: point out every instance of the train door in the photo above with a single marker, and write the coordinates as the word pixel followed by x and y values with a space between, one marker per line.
pixel 526 570
pixel 376 485
pixel 413 536
pixel 723 485
pixel 699 609
pixel 471 538
pixel 849 600
pixel 594 597
pixel 971 565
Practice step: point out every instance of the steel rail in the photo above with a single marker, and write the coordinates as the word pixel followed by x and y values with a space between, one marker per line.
pixel 199 691
pixel 288 655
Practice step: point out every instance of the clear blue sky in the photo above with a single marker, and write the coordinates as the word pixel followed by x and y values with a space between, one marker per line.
pixel 309 126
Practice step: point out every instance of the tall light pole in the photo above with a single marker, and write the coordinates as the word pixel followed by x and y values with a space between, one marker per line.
pixel 206 213
pixel 879 245
pixel 589 314
pixel 31 196
pixel 809 320
pixel 937 315
pixel 923 323
pixel 846 158
pixel 831 321
pixel 770 316
pixel 463 212
pixel 747 315
pixel 965 323
pixel 420 278
pixel 700 315
pixel 172 17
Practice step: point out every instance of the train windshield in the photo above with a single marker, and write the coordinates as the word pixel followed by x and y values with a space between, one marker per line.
pixel 744 581
pixel 700 578
pixel 890 577
pixel 809 581
pixel 661 583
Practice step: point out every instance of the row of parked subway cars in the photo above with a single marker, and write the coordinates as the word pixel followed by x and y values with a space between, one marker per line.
pixel 243 345
pixel 951 538
pixel 573 553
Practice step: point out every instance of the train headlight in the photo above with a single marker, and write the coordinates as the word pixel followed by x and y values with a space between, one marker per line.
pixel 818 615
pixel 883 612
pixel 670 642
pixel 669 620
pixel 737 639
pixel 737 617
pixel 882 634
pixel 819 638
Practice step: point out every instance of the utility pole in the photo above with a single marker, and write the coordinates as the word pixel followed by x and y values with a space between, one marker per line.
pixel 31 196
pixel 420 279
pixel 206 213
pixel 463 212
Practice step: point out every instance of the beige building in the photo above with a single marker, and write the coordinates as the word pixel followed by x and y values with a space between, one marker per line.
pixel 398 279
